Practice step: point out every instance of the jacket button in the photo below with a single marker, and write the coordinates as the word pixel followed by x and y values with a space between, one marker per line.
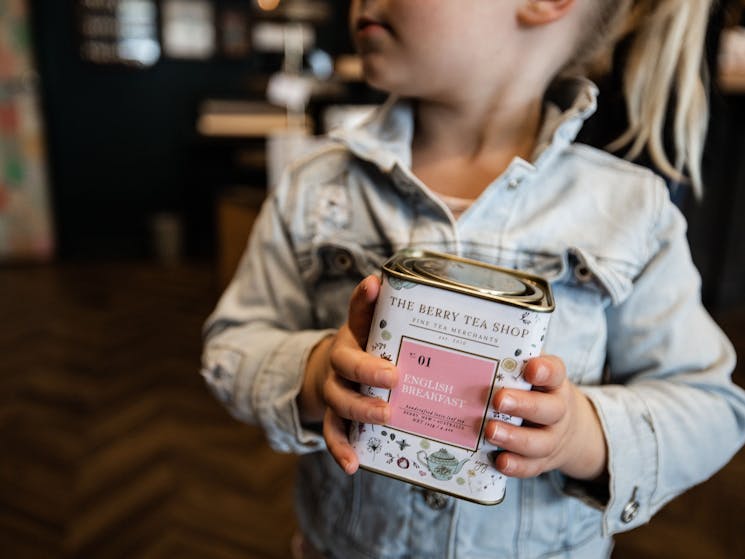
pixel 631 509
pixel 435 500
pixel 582 273
pixel 343 261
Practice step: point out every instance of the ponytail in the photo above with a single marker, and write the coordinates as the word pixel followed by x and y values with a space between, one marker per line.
pixel 665 57
pixel 665 60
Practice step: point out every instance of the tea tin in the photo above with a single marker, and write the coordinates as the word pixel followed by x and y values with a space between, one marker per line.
pixel 458 330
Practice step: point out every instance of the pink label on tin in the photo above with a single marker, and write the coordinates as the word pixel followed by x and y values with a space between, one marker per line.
pixel 442 393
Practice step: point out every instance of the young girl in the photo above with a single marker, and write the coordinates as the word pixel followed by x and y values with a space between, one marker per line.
pixel 473 155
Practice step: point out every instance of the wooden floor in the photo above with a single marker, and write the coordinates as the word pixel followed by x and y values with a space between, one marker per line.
pixel 111 447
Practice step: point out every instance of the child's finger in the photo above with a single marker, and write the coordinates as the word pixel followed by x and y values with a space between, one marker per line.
pixel 547 372
pixel 362 307
pixel 531 442
pixel 513 465
pixel 335 434
pixel 358 366
pixel 537 407
pixel 350 404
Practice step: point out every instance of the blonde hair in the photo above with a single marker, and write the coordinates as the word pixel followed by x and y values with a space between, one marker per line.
pixel 665 62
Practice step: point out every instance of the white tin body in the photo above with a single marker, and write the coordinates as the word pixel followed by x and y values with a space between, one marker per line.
pixel 453 351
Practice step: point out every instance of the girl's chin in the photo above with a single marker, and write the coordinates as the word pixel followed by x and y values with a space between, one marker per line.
pixel 377 82
pixel 389 86
pixel 378 74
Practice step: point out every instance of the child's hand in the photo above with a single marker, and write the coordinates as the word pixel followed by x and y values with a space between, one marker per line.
pixel 560 429
pixel 336 367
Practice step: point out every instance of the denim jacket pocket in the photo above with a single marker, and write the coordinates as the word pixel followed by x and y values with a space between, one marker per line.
pixel 612 278
pixel 577 269
pixel 334 259
pixel 584 286
pixel 332 271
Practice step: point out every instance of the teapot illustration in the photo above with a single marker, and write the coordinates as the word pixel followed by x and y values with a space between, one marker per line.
pixel 441 464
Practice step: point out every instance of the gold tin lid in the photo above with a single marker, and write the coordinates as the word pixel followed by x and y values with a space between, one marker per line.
pixel 472 277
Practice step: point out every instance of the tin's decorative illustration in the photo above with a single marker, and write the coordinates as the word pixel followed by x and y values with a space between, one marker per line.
pixel 374 445
pixel 458 330
pixel 441 464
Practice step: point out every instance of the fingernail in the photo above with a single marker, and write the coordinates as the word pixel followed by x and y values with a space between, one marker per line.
pixel 493 455
pixel 384 378
pixel 541 374
pixel 507 404
pixel 506 463
pixel 496 433
pixel 378 415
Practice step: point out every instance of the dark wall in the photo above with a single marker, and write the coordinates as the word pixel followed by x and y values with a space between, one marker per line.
pixel 122 142
pixel 716 223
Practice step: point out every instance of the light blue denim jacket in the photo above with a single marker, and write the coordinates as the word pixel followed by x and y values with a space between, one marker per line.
pixel 628 323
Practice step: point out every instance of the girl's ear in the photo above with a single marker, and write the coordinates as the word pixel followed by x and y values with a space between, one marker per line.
pixel 540 12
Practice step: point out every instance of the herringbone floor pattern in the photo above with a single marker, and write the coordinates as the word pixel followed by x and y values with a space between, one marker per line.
pixel 111 447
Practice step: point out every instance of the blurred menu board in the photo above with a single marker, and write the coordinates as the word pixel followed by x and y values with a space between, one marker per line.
pixel 189 29
pixel 203 29
pixel 140 32
pixel 119 31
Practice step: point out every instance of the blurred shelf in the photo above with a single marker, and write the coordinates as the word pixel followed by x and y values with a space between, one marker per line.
pixel 247 119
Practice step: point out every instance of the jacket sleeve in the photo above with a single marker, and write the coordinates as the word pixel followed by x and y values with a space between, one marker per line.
pixel 258 339
pixel 671 415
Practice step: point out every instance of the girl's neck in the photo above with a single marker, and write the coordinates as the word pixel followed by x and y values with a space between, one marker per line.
pixel 459 148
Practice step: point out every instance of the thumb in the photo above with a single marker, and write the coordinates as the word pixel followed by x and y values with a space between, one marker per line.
pixel 362 307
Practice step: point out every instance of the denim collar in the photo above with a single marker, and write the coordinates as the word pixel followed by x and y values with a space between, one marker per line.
pixel 384 138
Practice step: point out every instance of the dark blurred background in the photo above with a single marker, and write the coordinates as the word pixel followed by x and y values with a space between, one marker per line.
pixel 137 141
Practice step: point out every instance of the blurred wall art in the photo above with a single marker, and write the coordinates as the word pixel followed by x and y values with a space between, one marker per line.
pixel 25 218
